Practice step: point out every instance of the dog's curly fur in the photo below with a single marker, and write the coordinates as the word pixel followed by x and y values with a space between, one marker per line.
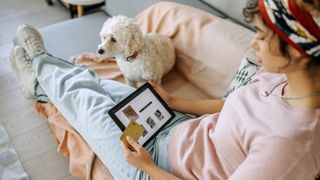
pixel 140 57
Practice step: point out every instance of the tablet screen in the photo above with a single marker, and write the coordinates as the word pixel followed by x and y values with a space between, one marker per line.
pixel 145 107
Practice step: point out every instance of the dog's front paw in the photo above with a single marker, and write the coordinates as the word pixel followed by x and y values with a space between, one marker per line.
pixel 88 57
pixel 100 59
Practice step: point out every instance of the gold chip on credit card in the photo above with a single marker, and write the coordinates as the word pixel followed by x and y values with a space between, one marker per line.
pixel 133 130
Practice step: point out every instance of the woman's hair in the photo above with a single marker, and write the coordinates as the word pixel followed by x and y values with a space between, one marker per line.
pixel 313 3
pixel 251 10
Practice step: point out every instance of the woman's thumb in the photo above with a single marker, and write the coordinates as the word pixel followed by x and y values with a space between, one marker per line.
pixel 152 84
pixel 132 142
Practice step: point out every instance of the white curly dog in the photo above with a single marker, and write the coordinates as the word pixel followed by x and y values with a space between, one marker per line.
pixel 140 57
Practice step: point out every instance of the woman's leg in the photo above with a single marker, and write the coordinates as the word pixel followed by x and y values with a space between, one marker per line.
pixel 81 98
pixel 78 95
pixel 84 100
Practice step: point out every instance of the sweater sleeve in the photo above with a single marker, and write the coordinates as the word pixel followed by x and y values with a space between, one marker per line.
pixel 277 158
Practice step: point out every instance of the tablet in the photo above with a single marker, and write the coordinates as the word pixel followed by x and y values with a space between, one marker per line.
pixel 145 107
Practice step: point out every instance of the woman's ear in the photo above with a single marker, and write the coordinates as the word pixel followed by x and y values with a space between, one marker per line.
pixel 297 56
pixel 133 43
pixel 294 53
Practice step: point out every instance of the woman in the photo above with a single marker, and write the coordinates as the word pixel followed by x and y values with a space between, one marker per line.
pixel 267 130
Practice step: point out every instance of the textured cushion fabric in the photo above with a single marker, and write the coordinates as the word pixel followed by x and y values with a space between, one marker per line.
pixel 131 8
pixel 208 48
pixel 243 76
pixel 74 36
pixel 230 8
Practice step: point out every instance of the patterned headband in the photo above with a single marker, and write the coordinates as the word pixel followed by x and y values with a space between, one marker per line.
pixel 293 24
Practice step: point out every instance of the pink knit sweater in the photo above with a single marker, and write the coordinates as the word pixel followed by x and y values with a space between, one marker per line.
pixel 255 137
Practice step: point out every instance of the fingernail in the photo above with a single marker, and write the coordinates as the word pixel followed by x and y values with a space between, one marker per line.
pixel 129 138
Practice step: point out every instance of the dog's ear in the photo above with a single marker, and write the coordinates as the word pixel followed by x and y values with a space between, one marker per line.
pixel 134 42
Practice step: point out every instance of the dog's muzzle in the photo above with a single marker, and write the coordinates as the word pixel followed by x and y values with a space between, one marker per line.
pixel 100 51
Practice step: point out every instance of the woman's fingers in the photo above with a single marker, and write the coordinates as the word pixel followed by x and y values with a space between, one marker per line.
pixel 154 85
pixel 139 157
pixel 126 149
pixel 133 143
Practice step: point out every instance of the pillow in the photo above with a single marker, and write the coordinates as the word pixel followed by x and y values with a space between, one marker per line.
pixel 231 8
pixel 131 8
pixel 243 76
pixel 208 48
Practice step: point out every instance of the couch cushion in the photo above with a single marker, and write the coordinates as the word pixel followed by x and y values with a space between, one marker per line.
pixel 74 36
pixel 243 76
pixel 131 8
pixel 208 48
pixel 230 8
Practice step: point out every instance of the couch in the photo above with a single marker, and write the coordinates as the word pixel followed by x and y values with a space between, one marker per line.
pixel 210 37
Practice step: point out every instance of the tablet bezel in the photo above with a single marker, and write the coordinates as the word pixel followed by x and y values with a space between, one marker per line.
pixel 112 112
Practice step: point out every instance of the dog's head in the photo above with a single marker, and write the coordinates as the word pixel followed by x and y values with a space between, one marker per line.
pixel 120 36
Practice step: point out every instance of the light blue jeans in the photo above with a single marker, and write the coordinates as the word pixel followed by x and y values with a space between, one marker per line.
pixel 84 100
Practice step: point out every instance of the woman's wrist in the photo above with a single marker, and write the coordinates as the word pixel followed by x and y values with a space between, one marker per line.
pixel 157 173
pixel 150 169
pixel 172 102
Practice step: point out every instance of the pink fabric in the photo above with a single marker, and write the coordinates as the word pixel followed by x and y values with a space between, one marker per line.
pixel 254 137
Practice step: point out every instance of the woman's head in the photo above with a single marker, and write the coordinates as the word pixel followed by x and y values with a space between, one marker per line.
pixel 283 42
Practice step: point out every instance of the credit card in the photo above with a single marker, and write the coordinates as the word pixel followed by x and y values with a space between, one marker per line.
pixel 134 130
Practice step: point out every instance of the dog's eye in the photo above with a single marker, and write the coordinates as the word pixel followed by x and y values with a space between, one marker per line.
pixel 113 40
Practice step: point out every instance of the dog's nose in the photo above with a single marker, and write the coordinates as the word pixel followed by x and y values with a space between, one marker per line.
pixel 100 51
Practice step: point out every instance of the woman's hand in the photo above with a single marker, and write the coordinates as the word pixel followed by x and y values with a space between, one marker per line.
pixel 163 93
pixel 140 157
